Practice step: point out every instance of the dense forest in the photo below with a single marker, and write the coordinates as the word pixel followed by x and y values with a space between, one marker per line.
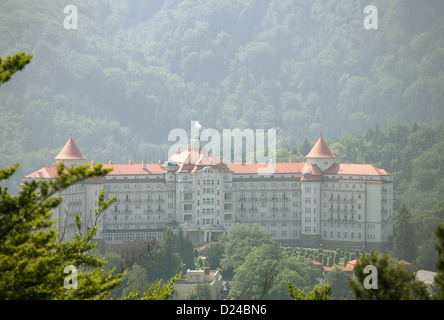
pixel 134 70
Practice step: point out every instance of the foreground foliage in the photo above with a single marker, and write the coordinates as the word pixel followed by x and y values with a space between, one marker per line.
pixel 318 293
pixel 32 261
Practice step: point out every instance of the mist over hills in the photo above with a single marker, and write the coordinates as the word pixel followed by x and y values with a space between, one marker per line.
pixel 134 70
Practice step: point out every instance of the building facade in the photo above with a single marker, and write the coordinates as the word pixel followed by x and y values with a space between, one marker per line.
pixel 315 203
pixel 194 281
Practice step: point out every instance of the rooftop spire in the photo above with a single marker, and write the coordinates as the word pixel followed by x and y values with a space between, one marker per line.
pixel 70 151
pixel 320 150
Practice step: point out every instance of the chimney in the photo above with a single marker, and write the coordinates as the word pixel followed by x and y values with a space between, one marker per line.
pixel 110 162
pixel 144 164
pixel 93 163
pixel 206 270
pixel 130 162
pixel 289 160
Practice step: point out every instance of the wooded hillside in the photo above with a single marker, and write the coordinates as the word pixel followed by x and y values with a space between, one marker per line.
pixel 134 70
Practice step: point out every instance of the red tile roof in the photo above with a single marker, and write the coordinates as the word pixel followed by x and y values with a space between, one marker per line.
pixel 320 150
pixel 355 169
pixel 350 265
pixel 316 263
pixel 134 169
pixel 201 159
pixel 348 268
pixel 70 152
pixel 307 172
pixel 44 173
pixel 311 172
pixel 253 168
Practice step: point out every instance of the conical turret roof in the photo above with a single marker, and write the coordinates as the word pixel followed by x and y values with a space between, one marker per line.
pixel 70 152
pixel 320 150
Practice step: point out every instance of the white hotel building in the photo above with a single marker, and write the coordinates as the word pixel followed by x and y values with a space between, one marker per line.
pixel 313 203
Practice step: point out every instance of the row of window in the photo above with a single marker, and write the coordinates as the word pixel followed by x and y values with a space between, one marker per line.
pixel 344 235
pixel 120 237
pixel 284 234
pixel 138 186
pixel 273 215
pixel 139 197
pixel 137 217
pixel 128 226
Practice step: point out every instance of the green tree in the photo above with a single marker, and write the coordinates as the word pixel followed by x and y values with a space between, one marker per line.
pixel 426 255
pixel 256 275
pixel 404 235
pixel 346 257
pixel 322 292
pixel 184 248
pixel 338 280
pixel 11 64
pixel 324 260
pixel 330 261
pixel 241 239
pixel 135 279
pixel 166 261
pixel 156 291
pixel 214 255
pixel 32 260
pixel 394 282
pixel 299 271
pixel 439 278
pixel 356 254
pixel 305 147
pixel 336 257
